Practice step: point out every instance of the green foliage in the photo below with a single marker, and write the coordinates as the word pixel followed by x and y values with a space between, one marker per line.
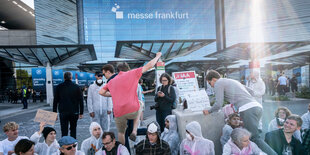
pixel 281 98
pixel 304 92
pixel 23 78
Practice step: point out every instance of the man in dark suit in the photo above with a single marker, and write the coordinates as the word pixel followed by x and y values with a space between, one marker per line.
pixel 69 99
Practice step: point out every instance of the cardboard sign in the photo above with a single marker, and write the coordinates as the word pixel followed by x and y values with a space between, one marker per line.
pixel 197 100
pixel 45 116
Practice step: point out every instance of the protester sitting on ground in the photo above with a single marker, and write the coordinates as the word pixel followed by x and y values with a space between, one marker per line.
pixel 123 89
pixel 170 134
pixel 240 143
pixel 153 144
pixel 232 123
pixel 111 146
pixel 50 144
pixel 306 120
pixel 281 115
pixel 195 143
pixel 68 146
pixel 282 140
pixel 92 144
pixel 8 144
pixel 164 99
pixel 24 147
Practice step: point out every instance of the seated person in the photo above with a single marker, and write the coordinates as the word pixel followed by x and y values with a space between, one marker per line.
pixel 194 142
pixel 24 147
pixel 8 144
pixel 50 144
pixel 240 143
pixel 170 134
pixel 282 141
pixel 152 144
pixel 232 123
pixel 306 120
pixel 68 146
pixel 92 144
pixel 277 123
pixel 111 146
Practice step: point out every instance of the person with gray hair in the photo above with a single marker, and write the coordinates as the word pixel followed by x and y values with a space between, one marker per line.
pixel 283 141
pixel 68 100
pixel 240 143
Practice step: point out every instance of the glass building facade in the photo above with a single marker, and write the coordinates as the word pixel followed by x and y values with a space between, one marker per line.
pixel 109 21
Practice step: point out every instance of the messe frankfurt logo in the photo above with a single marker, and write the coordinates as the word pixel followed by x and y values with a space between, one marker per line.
pixel 39 71
pixel 149 15
pixel 119 14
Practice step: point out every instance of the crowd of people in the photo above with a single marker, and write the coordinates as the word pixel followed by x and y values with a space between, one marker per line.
pixel 121 98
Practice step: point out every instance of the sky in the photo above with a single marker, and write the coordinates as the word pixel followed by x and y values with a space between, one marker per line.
pixel 29 3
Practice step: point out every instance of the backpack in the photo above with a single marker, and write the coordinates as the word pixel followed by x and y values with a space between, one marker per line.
pixel 174 104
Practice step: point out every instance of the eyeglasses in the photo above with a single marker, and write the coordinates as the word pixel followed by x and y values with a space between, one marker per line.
pixel 164 80
pixel 108 143
pixel 100 75
pixel 72 146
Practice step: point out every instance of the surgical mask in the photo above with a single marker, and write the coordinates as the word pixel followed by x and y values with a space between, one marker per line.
pixel 166 130
pixel 99 80
pixel 188 136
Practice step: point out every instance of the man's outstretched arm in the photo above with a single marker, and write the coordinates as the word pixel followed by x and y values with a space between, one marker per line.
pixel 151 63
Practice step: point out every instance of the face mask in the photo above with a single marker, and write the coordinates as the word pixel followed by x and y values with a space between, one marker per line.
pixel 166 130
pixel 99 80
pixel 189 137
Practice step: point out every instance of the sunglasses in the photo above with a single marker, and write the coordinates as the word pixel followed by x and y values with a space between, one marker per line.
pixel 100 75
pixel 70 147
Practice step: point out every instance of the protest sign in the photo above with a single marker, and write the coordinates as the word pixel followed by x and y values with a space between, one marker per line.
pixel 197 100
pixel 45 116
pixel 186 82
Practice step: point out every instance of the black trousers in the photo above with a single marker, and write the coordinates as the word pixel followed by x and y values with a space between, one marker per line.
pixel 65 119
pixel 161 116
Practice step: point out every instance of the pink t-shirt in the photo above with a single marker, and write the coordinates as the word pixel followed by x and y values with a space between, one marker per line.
pixel 123 89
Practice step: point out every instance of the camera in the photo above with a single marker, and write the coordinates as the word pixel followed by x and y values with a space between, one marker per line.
pixel 156 106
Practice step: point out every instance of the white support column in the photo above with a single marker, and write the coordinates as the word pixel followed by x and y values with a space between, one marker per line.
pixel 49 85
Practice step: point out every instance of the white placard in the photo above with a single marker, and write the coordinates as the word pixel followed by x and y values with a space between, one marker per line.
pixel 197 100
pixel 186 82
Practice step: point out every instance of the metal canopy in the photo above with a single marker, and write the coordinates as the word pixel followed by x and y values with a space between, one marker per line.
pixel 56 55
pixel 246 51
pixel 147 49
pixel 201 65
pixel 97 67
pixel 296 59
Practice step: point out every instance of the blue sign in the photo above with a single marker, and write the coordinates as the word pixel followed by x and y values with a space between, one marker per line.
pixel 58 77
pixel 82 78
pixel 38 78
pixel 90 78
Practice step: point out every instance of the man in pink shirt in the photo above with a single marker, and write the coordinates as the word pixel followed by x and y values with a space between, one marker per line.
pixel 123 89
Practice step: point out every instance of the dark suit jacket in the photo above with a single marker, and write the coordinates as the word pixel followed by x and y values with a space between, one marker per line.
pixel 276 140
pixel 68 98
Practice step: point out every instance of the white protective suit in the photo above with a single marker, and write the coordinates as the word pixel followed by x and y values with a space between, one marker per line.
pixel 171 135
pixel 91 145
pixel 99 105
pixel 43 148
pixel 197 146
pixel 256 87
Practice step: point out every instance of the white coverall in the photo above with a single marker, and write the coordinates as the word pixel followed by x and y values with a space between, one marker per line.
pixel 197 146
pixel 92 141
pixel 99 105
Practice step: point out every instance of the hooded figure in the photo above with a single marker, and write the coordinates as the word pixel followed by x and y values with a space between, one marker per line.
pixel 92 144
pixel 195 144
pixel 152 144
pixel 170 134
pixel 99 107
pixel 44 148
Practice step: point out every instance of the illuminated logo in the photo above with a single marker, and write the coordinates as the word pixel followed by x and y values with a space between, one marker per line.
pixel 39 72
pixel 119 14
